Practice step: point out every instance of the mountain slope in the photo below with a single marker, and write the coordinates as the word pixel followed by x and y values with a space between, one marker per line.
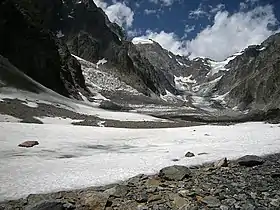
pixel 34 49
pixel 253 79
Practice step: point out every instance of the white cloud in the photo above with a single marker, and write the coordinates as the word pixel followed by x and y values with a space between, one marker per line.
pixel 149 11
pixel 117 12
pixel 168 41
pixel 134 32
pixel 218 8
pixel 232 33
pixel 227 35
pixel 163 2
pixel 197 13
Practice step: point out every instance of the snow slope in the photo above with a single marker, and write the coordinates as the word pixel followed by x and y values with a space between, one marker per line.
pixel 74 156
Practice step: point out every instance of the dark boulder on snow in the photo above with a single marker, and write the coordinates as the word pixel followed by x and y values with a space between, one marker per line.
pixel 175 173
pixel 29 144
pixel 250 160
pixel 189 154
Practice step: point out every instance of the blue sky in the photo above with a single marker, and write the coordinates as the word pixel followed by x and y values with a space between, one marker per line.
pixel 197 27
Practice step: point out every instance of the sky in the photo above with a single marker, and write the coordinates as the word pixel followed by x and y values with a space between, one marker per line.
pixel 197 28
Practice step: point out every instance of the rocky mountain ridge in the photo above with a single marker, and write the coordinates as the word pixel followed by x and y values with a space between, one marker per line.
pixel 58 30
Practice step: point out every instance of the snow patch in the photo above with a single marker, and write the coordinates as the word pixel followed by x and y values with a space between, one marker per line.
pixel 8 118
pixel 261 49
pixel 125 152
pixel 181 64
pixel 138 40
pixel 30 104
pixel 59 34
pixel 57 120
pixel 217 66
pixel 101 62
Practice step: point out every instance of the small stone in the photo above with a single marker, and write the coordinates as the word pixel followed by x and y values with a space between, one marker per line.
pixel 211 201
pixel 203 153
pixel 175 160
pixel 221 163
pixel 275 175
pixel 94 200
pixel 248 206
pixel 180 202
pixel 275 202
pixel 117 191
pixel 29 144
pixel 154 198
pixel 250 160
pixel 223 207
pixel 141 198
pixel 229 202
pixel 189 154
pixel 153 182
pixel 175 173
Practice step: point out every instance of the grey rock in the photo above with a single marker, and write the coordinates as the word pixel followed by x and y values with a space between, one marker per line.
pixel 250 160
pixel 189 154
pixel 211 201
pixel 176 173
pixel 47 205
pixel 28 144
pixel 109 105
pixel 141 197
pixel 94 200
pixel 248 206
pixel 223 207
pixel 117 191
pixel 180 202
pixel 203 153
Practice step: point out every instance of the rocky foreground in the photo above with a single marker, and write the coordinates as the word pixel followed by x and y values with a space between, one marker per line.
pixel 248 183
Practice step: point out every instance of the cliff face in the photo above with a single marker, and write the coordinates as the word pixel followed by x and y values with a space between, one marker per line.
pixel 28 41
pixel 253 79
pixel 90 35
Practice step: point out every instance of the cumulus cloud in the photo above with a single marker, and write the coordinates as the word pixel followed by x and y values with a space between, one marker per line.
pixel 163 2
pixel 149 11
pixel 199 12
pixel 169 41
pixel 232 33
pixel 228 34
pixel 217 8
pixel 118 12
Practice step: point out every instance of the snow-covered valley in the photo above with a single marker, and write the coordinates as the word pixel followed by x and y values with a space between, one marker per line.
pixel 71 157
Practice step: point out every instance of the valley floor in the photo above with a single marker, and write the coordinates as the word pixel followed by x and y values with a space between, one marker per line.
pixel 72 157
pixel 204 187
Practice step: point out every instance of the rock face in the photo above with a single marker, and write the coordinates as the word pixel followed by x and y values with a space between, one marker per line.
pixel 253 77
pixel 30 44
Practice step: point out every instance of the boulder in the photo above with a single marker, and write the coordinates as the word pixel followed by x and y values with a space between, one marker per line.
pixel 211 201
pixel 29 144
pixel 94 200
pixel 175 173
pixel 189 154
pixel 109 105
pixel 250 160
